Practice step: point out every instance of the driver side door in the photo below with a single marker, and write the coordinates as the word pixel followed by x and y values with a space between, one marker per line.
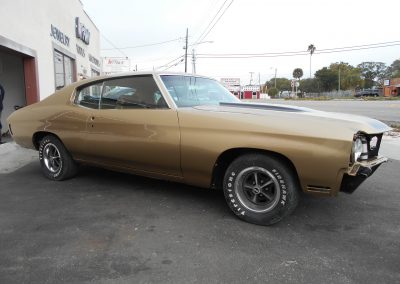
pixel 134 128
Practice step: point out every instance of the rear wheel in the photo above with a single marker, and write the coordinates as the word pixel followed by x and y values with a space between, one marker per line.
pixel 55 160
pixel 260 189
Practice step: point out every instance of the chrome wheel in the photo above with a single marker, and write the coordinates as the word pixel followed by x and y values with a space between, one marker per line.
pixel 257 189
pixel 52 158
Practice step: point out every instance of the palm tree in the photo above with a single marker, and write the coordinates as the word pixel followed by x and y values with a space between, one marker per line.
pixel 311 49
pixel 298 73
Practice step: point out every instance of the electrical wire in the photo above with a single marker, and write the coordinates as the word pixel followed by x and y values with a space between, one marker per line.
pixel 109 41
pixel 216 22
pixel 177 63
pixel 299 53
pixel 170 62
pixel 145 45
pixel 209 24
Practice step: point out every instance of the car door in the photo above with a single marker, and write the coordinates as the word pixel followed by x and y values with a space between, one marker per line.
pixel 134 128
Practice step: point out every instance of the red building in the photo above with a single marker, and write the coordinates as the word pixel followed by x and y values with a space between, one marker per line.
pixel 242 92
pixel 391 87
pixel 250 92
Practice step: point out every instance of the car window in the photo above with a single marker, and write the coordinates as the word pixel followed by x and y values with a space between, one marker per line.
pixel 131 92
pixel 189 91
pixel 89 96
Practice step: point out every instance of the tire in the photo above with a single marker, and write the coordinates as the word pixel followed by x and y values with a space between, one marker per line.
pixel 260 189
pixel 55 160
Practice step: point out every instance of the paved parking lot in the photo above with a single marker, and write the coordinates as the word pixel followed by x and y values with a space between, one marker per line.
pixel 388 111
pixel 106 227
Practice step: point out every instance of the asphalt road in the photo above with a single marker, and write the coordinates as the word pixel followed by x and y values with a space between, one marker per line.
pixel 388 111
pixel 107 227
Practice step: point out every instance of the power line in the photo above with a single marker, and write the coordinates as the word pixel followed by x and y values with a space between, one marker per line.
pixel 298 53
pixel 216 21
pixel 177 63
pixel 361 48
pixel 362 45
pixel 170 62
pixel 145 45
pixel 109 41
pixel 209 24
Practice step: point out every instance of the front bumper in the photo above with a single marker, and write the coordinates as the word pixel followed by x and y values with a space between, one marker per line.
pixel 358 172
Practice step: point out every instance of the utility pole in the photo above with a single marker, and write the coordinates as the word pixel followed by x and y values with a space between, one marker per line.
pixel 275 77
pixel 193 62
pixel 251 77
pixel 186 48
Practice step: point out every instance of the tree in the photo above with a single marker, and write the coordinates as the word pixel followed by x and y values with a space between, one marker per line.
pixel 310 85
pixel 311 48
pixel 272 92
pixel 298 73
pixel 328 79
pixel 394 69
pixel 372 73
pixel 350 77
pixel 282 84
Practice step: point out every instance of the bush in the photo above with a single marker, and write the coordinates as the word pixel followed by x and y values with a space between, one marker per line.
pixel 272 92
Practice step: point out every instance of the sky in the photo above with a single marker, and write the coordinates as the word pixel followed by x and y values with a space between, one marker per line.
pixel 246 27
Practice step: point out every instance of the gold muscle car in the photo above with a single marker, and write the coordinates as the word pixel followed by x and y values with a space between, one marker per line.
pixel 190 129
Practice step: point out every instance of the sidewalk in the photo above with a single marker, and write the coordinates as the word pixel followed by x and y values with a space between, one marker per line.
pixel 13 157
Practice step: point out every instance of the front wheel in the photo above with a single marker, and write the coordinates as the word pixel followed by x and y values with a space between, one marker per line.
pixel 260 189
pixel 55 160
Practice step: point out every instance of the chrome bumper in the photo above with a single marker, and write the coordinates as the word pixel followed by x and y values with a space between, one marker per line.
pixel 365 168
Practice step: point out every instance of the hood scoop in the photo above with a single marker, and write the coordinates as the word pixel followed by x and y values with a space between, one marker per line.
pixel 265 107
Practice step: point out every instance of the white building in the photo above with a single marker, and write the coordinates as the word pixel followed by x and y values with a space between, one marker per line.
pixel 44 45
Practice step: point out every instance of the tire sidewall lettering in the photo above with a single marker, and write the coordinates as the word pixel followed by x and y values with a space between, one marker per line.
pixel 236 205
pixel 41 159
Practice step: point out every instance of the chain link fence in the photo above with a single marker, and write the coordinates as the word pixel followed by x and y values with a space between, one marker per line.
pixel 333 94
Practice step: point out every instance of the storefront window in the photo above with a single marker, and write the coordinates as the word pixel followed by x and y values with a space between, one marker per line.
pixel 63 66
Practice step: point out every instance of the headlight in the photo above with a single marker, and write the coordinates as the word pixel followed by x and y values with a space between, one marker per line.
pixel 360 149
pixel 357 149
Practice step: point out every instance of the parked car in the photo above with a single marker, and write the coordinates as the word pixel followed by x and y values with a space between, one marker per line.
pixel 367 93
pixel 190 129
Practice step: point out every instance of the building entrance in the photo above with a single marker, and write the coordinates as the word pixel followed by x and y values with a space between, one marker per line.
pixel 13 81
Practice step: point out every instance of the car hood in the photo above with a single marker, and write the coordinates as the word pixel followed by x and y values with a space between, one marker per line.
pixel 302 117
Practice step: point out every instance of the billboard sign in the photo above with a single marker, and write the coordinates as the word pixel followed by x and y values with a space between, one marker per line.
pixel 113 65
pixel 228 82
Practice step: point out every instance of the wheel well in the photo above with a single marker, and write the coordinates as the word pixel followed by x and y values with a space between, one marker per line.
pixel 227 157
pixel 38 136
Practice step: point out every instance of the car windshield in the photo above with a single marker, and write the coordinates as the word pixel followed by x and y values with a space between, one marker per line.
pixel 188 91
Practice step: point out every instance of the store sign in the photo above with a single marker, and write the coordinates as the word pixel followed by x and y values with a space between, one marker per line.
pixel 230 81
pixel 80 51
pixel 81 31
pixel 59 36
pixel 94 60
pixel 112 65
